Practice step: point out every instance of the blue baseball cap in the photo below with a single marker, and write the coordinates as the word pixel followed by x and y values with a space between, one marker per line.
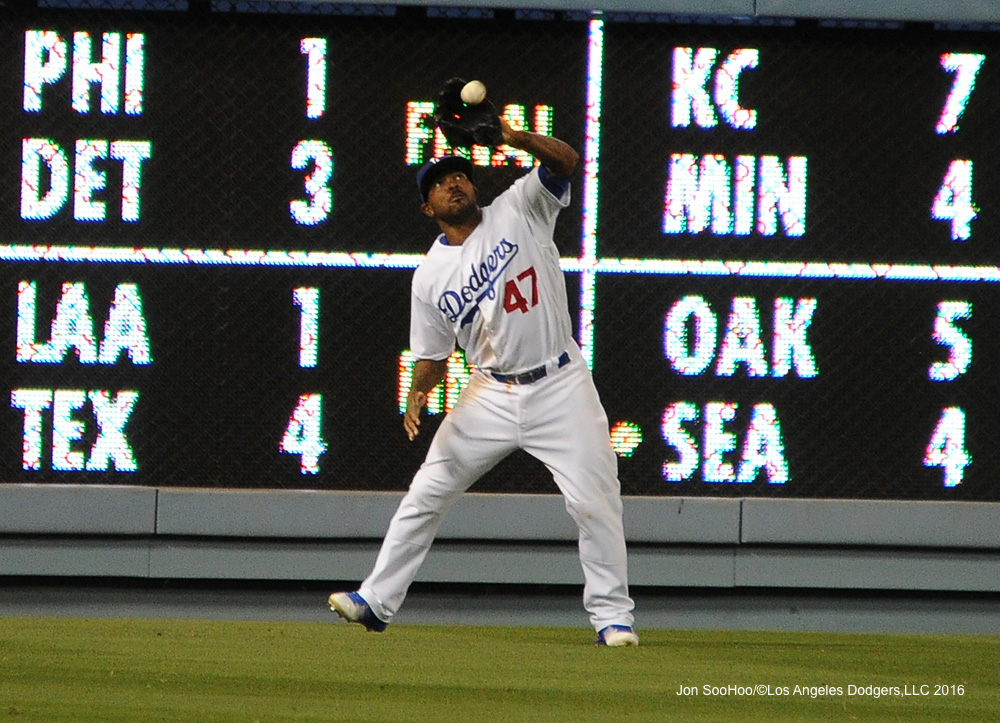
pixel 437 167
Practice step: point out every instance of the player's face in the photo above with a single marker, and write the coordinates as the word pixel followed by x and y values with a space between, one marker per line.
pixel 451 197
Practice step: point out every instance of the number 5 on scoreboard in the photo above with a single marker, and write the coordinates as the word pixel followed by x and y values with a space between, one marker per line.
pixel 953 201
pixel 946 448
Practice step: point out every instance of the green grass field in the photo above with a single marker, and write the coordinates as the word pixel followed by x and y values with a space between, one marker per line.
pixel 60 669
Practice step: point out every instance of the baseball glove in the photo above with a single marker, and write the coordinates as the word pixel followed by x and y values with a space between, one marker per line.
pixel 466 125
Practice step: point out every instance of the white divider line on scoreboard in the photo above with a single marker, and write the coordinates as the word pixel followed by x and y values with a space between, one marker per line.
pixel 799 270
pixel 209 257
pixel 654 267
pixel 591 172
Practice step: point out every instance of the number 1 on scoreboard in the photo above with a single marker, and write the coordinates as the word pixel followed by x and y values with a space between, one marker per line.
pixel 315 51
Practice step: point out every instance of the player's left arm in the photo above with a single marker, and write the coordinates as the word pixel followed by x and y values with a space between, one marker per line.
pixel 560 158
pixel 427 374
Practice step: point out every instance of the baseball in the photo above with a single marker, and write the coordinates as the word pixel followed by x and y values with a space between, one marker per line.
pixel 473 92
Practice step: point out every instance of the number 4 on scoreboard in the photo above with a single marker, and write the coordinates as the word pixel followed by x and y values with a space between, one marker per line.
pixel 953 201
pixel 947 446
pixel 304 433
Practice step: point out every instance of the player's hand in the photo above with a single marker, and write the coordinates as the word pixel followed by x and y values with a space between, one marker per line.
pixel 507 131
pixel 411 418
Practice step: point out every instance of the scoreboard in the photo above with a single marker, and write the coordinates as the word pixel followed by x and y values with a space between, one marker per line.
pixel 782 250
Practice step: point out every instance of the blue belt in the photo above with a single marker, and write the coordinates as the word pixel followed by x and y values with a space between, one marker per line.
pixel 532 375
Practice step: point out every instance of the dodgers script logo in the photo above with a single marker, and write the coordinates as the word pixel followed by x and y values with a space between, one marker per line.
pixel 480 284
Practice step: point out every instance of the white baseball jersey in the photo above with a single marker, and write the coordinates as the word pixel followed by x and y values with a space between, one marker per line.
pixel 501 294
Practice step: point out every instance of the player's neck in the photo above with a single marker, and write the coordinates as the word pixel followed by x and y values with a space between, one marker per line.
pixel 455 233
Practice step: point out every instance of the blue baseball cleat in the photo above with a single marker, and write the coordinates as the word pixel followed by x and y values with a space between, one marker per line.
pixel 355 609
pixel 617 636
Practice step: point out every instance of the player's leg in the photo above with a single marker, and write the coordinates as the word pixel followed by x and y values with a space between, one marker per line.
pixel 472 439
pixel 569 434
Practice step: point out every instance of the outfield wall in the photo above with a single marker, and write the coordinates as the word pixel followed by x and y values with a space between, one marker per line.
pixel 174 533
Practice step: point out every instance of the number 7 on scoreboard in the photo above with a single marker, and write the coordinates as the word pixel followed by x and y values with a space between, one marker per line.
pixel 966 67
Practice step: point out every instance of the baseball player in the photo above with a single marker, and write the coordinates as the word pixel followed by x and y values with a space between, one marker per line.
pixel 491 282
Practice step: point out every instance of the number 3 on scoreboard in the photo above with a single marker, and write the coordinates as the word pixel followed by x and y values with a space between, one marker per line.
pixel 317 156
pixel 953 201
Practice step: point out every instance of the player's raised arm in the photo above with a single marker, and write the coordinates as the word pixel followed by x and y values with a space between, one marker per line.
pixel 558 156
pixel 427 374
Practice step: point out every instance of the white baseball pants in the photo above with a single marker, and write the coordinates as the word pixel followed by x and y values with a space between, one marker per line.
pixel 559 420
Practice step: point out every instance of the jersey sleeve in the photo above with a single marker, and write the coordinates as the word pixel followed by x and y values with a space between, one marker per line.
pixel 430 335
pixel 541 196
pixel 556 185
